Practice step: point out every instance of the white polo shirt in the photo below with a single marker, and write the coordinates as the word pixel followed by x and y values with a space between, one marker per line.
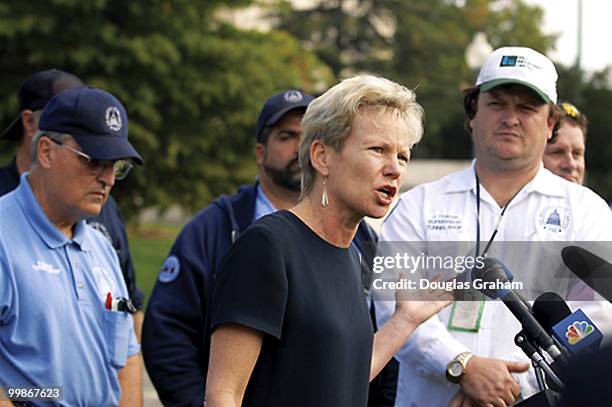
pixel 548 208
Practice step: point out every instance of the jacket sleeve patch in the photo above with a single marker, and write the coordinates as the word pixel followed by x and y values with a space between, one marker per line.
pixel 169 270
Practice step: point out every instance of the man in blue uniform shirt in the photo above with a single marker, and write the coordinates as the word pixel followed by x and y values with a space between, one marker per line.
pixel 64 318
pixel 175 346
pixel 34 94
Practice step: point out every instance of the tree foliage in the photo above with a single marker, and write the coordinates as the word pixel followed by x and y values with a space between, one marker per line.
pixel 419 43
pixel 192 84
pixel 422 43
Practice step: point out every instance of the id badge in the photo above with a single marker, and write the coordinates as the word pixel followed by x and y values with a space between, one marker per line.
pixel 466 315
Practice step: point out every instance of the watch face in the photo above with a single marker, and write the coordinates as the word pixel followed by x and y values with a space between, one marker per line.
pixel 455 369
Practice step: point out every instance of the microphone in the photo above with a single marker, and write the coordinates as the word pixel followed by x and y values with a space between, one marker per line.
pixel 568 329
pixel 494 274
pixel 574 331
pixel 498 274
pixel 549 309
pixel 590 268
pixel 525 344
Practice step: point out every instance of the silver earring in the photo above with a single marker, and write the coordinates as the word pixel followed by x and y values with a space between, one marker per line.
pixel 324 198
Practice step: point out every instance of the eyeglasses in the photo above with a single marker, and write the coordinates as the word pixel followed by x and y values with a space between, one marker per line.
pixel 121 168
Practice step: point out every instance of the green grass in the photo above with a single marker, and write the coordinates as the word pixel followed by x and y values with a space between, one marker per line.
pixel 149 246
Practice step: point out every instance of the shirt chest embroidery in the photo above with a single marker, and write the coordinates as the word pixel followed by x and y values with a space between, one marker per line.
pixel 445 222
pixel 46 267
pixel 553 220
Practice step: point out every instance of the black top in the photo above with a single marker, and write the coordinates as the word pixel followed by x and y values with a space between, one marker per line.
pixel 305 295
pixel 589 378
pixel 109 222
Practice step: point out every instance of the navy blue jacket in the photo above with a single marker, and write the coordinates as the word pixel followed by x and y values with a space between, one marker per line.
pixel 109 221
pixel 174 340
pixel 175 332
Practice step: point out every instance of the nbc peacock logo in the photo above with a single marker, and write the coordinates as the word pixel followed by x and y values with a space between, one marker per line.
pixel 578 331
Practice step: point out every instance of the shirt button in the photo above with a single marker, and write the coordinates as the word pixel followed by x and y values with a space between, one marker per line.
pixel 80 285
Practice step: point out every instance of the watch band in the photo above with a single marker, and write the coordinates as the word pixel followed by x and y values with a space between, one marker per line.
pixel 462 359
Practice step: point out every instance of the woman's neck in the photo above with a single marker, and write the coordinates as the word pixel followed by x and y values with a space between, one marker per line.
pixel 327 222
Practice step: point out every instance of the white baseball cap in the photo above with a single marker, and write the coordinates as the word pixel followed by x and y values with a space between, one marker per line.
pixel 522 66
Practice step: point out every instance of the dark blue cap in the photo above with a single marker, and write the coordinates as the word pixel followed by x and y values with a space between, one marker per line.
pixel 95 119
pixel 278 105
pixel 35 92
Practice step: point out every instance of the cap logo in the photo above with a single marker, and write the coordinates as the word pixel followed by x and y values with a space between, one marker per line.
pixel 508 60
pixel 293 96
pixel 113 118
pixel 519 62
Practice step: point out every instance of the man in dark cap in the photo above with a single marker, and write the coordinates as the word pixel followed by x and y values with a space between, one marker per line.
pixel 64 317
pixel 34 94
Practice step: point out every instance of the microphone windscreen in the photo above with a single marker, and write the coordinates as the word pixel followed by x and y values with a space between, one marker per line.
pixel 549 308
pixel 580 261
pixel 492 271
pixel 590 268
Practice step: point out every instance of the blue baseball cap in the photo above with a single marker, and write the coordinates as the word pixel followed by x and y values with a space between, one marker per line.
pixel 35 93
pixel 95 119
pixel 280 104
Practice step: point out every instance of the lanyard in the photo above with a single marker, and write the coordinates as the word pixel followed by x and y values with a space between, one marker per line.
pixel 484 253
pixel 467 314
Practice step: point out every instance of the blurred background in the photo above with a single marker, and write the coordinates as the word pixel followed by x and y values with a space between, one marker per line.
pixel 193 75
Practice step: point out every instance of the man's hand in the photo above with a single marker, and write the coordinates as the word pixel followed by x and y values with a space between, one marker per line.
pixel 489 381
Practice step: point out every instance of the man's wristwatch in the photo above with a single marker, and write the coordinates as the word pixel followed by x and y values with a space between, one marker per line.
pixel 455 369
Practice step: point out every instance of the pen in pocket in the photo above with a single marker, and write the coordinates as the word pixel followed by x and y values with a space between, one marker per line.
pixel 119 304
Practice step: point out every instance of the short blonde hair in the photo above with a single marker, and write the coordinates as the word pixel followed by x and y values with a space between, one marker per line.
pixel 329 117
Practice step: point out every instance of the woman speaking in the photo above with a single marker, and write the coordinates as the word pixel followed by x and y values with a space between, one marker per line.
pixel 290 324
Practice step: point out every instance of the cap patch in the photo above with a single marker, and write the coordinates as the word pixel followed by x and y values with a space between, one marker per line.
pixel 508 60
pixel 113 118
pixel 293 96
pixel 519 62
